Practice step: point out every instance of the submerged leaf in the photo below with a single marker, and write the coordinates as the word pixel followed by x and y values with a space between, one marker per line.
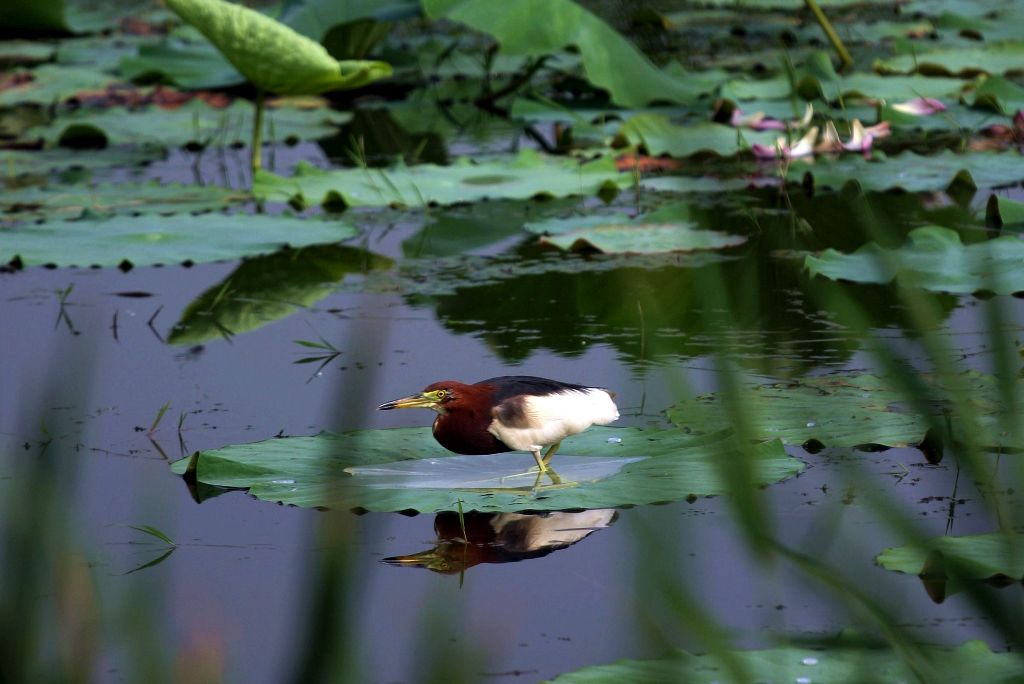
pixel 310 471
pixel 847 411
pixel 271 55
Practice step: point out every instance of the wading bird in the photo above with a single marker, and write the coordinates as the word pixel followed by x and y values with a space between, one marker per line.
pixel 510 413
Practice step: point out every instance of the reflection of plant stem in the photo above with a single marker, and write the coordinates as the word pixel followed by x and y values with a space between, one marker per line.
pixel 830 32
pixel 257 132
pixel 62 313
pixel 462 521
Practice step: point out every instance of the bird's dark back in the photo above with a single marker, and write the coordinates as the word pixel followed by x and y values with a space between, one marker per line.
pixel 507 386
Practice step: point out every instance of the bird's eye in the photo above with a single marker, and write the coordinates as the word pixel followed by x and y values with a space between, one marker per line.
pixel 441 394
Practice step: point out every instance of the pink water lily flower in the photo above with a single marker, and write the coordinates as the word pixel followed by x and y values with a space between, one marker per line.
pixel 758 121
pixel 803 147
pixel 920 106
pixel 861 140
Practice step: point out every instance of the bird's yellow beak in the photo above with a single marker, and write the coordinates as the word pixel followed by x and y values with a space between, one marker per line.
pixel 421 400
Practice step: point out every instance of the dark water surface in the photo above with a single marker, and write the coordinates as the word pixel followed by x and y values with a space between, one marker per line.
pixel 239 580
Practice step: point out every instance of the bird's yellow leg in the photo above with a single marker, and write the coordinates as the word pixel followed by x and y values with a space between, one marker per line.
pixel 542 464
pixel 551 451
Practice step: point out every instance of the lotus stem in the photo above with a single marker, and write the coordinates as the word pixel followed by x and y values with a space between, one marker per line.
pixel 257 132
pixel 833 37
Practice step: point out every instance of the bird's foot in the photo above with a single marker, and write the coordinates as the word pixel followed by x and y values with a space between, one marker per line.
pixel 551 452
pixel 542 465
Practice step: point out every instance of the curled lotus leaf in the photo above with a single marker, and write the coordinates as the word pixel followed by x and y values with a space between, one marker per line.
pixel 271 55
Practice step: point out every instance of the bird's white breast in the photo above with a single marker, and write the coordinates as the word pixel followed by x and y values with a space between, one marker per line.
pixel 550 418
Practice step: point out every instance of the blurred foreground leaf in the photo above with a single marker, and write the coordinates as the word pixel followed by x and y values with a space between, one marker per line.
pixel 976 556
pixel 847 411
pixel 933 258
pixel 972 661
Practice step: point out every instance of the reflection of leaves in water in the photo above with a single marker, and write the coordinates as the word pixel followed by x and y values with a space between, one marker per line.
pixel 770 313
pixel 270 288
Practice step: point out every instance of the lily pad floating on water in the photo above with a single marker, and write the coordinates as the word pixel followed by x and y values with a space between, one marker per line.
pixel 270 288
pixel 618 234
pixel 310 471
pixel 661 136
pixel 1002 58
pixel 70 201
pixel 844 411
pixel 971 661
pixel 913 172
pixel 933 258
pixel 530 174
pixel 98 240
pixel 489 471
pixel 52 83
pixel 194 122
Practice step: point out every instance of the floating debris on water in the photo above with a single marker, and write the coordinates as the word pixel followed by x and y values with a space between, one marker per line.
pixel 809 661
pixel 615 440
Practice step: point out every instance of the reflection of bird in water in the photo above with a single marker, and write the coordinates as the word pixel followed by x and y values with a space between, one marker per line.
pixel 510 413
pixel 502 538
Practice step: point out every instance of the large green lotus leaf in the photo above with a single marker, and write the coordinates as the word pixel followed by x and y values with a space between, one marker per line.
pixel 269 288
pixel 271 55
pixel 96 240
pixel 970 662
pixel 976 556
pixel 1001 58
pixel 912 172
pixel 529 175
pixel 609 60
pixel 194 122
pixel 70 201
pixel 933 258
pixel 189 65
pixel 310 471
pixel 661 136
pixel 52 83
pixel 892 88
pixel 842 411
